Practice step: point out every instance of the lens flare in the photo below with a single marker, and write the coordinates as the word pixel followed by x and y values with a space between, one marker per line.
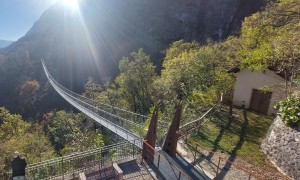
pixel 71 4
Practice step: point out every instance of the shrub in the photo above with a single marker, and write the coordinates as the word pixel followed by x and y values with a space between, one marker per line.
pixel 289 110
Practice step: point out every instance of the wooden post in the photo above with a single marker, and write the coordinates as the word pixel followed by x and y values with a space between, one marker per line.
pixel 170 144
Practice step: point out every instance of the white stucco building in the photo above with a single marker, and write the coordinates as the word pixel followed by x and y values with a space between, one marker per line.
pixel 248 94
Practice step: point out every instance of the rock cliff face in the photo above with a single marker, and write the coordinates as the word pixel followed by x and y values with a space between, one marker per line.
pixel 106 30
pixel 91 43
pixel 282 146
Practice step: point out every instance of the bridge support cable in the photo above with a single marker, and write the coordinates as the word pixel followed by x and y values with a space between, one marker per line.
pixel 138 118
pixel 127 120
pixel 104 118
pixel 95 109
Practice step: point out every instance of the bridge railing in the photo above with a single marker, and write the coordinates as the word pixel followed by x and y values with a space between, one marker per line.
pixel 137 118
pixel 190 127
pixel 120 116
pixel 134 117
pixel 162 166
pixel 120 119
pixel 69 166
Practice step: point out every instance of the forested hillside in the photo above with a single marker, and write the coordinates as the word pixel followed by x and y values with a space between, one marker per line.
pixel 58 133
pixel 91 43
pixel 197 74
pixel 171 60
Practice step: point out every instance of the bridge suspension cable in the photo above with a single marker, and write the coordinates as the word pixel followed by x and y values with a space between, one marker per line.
pixel 126 124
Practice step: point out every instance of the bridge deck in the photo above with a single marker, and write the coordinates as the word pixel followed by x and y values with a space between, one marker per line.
pixel 102 117
pixel 134 170
pixel 165 167
pixel 167 171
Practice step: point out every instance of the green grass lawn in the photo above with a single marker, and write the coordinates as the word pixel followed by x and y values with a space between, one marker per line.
pixel 239 135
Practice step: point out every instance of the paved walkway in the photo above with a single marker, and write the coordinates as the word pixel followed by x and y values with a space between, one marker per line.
pixel 134 170
pixel 167 171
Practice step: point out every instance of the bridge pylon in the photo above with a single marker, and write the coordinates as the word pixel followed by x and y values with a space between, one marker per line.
pixel 148 149
pixel 170 144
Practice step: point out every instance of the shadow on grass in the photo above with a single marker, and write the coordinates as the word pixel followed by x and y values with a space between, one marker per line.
pixel 223 128
pixel 238 146
pixel 233 153
pixel 220 135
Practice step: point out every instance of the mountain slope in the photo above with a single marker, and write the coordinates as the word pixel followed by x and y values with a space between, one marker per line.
pixel 5 43
pixel 90 43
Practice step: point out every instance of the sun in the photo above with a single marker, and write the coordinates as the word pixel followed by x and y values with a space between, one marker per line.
pixel 71 4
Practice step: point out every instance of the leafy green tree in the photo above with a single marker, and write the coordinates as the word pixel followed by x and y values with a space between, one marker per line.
pixel 195 70
pixel 70 132
pixel 175 81
pixel 34 145
pixel 272 39
pixel 18 135
pixel 195 74
pixel 91 89
pixel 135 81
pixel 113 95
pixel 29 94
pixel 61 129
pixel 13 124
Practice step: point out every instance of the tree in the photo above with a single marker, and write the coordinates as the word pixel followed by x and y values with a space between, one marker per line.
pixel 29 95
pixel 194 74
pixel 91 89
pixel 70 132
pixel 18 135
pixel 271 39
pixel 197 69
pixel 12 125
pixel 135 81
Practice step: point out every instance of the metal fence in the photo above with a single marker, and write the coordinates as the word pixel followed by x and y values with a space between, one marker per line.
pixel 126 124
pixel 163 167
pixel 69 166
pixel 221 165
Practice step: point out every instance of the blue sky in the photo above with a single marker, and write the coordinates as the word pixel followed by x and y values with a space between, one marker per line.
pixel 18 16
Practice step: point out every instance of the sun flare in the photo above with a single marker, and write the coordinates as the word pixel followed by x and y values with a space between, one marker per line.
pixel 71 4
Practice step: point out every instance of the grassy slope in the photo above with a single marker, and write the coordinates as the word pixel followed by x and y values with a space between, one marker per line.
pixel 239 135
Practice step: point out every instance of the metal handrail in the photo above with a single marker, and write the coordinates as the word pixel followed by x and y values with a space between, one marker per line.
pixel 106 118
pixel 78 154
pixel 172 164
pixel 74 163
pixel 197 120
pixel 49 75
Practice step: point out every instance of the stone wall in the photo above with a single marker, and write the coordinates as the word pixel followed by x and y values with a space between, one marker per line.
pixel 282 146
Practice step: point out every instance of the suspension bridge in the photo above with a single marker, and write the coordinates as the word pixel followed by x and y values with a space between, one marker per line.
pixel 155 145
